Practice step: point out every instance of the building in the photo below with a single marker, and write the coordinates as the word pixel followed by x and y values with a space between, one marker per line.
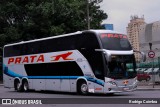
pixel 108 26
pixel 150 33
pixel 133 33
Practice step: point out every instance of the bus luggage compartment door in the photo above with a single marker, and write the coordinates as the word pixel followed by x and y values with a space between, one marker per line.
pixel 65 83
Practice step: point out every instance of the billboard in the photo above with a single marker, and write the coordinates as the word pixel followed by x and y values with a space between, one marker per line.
pixel 108 26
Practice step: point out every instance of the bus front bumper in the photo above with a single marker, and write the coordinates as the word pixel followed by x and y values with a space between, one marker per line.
pixel 118 89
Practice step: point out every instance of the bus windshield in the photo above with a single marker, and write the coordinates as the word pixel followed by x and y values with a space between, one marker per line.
pixel 112 41
pixel 122 67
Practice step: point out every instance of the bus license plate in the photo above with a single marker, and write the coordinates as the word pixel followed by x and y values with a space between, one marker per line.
pixel 126 88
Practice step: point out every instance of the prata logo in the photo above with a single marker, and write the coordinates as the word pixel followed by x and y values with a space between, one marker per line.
pixel 64 56
pixel 26 59
pixel 39 58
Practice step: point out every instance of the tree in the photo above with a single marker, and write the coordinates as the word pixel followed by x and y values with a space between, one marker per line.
pixel 29 19
pixel 1 52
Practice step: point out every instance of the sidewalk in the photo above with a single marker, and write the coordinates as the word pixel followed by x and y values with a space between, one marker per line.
pixel 156 87
pixel 148 87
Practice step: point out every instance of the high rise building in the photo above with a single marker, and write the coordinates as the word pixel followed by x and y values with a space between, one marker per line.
pixel 133 33
pixel 150 33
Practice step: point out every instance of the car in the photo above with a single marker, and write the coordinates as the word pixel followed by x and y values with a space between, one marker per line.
pixel 143 76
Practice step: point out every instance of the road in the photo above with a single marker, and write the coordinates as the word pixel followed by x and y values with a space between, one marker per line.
pixel 64 98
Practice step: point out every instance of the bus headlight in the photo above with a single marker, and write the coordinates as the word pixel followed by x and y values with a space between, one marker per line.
pixel 112 83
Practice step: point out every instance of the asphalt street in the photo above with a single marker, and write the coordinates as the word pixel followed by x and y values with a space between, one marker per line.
pixel 11 93
pixel 94 99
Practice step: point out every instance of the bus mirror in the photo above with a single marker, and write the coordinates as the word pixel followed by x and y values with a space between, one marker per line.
pixel 107 54
pixel 143 55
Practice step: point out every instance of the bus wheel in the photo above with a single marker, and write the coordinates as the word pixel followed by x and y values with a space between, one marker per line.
pixel 17 85
pixel 25 86
pixel 83 88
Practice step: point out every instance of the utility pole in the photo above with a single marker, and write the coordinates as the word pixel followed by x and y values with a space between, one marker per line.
pixel 88 17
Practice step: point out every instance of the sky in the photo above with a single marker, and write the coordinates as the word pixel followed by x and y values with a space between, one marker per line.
pixel 119 12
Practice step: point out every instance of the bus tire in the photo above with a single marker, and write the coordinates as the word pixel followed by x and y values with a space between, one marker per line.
pixel 82 88
pixel 17 86
pixel 25 86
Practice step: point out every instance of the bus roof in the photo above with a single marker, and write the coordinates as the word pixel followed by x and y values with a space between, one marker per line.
pixel 78 32
pixel 34 40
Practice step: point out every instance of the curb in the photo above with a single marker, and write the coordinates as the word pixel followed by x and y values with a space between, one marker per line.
pixel 149 89
pixel 1 84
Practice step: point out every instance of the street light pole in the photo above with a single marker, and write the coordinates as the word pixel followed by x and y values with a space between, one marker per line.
pixel 153 76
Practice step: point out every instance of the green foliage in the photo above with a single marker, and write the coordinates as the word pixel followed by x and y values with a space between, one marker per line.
pixel 29 19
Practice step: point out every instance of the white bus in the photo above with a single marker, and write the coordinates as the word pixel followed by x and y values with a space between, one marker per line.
pixel 93 61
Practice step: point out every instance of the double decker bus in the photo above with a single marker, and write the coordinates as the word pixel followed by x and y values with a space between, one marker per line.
pixel 93 61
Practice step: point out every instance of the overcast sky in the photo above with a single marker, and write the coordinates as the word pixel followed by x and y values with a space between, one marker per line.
pixel 119 11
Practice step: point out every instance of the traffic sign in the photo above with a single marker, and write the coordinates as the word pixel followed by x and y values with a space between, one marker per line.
pixel 151 54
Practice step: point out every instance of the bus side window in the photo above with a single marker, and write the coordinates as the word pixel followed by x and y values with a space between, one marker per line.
pixel 68 43
pixel 86 43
